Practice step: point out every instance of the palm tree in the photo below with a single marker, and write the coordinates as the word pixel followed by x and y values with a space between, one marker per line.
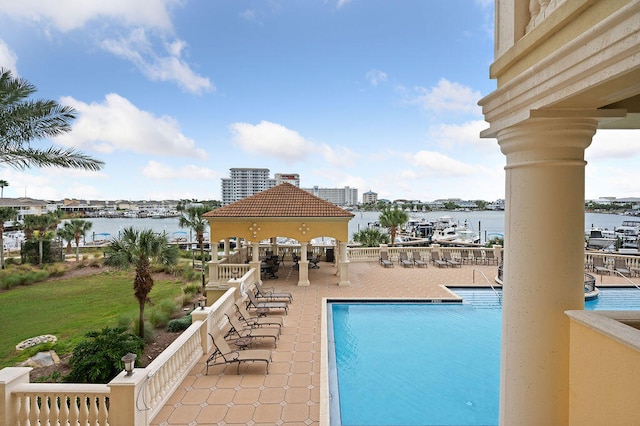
pixel 42 224
pixel 6 214
pixel 140 249
pixel 393 219
pixel 192 218
pixel 80 228
pixel 23 120
pixel 3 183
pixel 66 233
pixel 370 237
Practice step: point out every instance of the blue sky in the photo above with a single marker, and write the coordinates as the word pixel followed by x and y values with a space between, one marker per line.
pixel 378 95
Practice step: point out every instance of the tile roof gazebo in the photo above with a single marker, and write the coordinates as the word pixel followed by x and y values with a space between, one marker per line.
pixel 284 211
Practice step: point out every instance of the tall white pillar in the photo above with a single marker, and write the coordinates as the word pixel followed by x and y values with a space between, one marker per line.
pixel 343 266
pixel 303 266
pixel 544 265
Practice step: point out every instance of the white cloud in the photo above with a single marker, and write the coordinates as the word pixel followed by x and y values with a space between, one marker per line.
pixel 465 134
pixel 375 77
pixel 138 49
pixel 8 59
pixel 435 163
pixel 118 125
pixel 448 97
pixel 271 139
pixel 68 15
pixel 619 144
pixel 159 171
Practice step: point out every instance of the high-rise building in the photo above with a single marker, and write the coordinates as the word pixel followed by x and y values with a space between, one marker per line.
pixel 292 178
pixel 340 196
pixel 369 197
pixel 243 183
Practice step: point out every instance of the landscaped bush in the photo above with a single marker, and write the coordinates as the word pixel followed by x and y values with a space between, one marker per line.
pixel 56 269
pixel 98 359
pixel 13 277
pixel 160 314
pixel 179 324
pixel 191 289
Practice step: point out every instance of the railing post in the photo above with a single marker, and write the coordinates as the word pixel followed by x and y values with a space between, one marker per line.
pixel 127 399
pixel 202 315
pixel 10 377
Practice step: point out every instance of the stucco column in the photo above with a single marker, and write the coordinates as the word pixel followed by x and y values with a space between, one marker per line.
pixel 543 269
pixel 255 255
pixel 303 265
pixel 343 266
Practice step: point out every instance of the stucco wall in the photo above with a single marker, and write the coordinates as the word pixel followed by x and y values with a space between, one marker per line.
pixel 605 369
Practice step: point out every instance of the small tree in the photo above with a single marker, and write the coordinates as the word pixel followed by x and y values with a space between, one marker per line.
pixel 98 359
pixel 192 218
pixel 370 237
pixel 39 226
pixel 392 219
pixel 139 249
pixel 6 214
pixel 79 228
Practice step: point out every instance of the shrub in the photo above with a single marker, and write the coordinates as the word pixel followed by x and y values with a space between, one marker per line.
pixel 179 324
pixel 191 289
pixel 158 318
pixel 98 358
pixel 56 269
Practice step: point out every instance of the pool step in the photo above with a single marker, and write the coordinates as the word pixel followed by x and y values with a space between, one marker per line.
pixel 480 298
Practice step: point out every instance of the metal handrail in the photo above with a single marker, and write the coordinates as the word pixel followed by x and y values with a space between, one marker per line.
pixel 589 283
pixel 488 282
pixel 626 278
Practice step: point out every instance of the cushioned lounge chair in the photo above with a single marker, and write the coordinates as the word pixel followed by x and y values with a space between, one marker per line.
pixel 599 267
pixel 255 320
pixel 255 303
pixel 417 260
pixel 384 260
pixel 435 259
pixel 240 330
pixel 621 267
pixel 446 256
pixel 314 262
pixel 223 354
pixel 404 260
pixel 270 293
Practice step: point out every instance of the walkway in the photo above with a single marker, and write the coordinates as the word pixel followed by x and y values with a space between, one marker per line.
pixel 290 393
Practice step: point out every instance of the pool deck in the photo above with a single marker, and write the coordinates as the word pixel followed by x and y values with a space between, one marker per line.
pixel 290 393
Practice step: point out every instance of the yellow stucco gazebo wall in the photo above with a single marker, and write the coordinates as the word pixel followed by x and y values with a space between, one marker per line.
pixel 256 229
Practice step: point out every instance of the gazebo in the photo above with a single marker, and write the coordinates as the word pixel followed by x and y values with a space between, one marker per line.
pixel 282 211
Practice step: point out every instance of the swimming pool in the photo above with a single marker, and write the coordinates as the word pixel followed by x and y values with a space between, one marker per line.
pixel 437 364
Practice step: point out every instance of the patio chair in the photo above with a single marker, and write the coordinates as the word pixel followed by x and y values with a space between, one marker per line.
pixel 466 257
pixel 314 262
pixel 384 260
pixel 295 259
pixel 253 302
pixel 271 268
pixel 621 267
pixel 417 259
pixel 489 257
pixel 404 260
pixel 254 320
pixel 478 257
pixel 223 354
pixel 446 256
pixel 599 266
pixel 240 330
pixel 270 293
pixel 435 259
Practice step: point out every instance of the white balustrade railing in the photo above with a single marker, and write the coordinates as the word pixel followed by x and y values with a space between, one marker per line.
pixel 60 404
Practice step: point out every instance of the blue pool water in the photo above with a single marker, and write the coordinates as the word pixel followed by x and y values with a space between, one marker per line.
pixel 424 364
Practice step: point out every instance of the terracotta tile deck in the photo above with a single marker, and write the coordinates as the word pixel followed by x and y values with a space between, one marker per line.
pixel 290 393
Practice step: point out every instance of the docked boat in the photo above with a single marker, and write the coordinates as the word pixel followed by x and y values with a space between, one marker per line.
pixel 628 233
pixel 600 238
pixel 448 231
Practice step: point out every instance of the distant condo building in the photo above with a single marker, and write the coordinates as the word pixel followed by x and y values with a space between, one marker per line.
pixel 292 178
pixel 243 183
pixel 340 196
pixel 369 197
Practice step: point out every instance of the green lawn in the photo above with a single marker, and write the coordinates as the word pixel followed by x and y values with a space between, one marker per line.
pixel 69 308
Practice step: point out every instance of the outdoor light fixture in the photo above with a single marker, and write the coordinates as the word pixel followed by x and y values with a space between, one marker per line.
pixel 129 361
pixel 234 274
pixel 202 302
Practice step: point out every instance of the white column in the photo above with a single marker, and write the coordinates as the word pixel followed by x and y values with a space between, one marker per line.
pixel 543 270
pixel 343 266
pixel 303 265
pixel 255 256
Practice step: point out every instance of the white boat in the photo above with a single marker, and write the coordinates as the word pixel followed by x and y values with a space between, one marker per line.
pixel 628 233
pixel 601 238
pixel 447 230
